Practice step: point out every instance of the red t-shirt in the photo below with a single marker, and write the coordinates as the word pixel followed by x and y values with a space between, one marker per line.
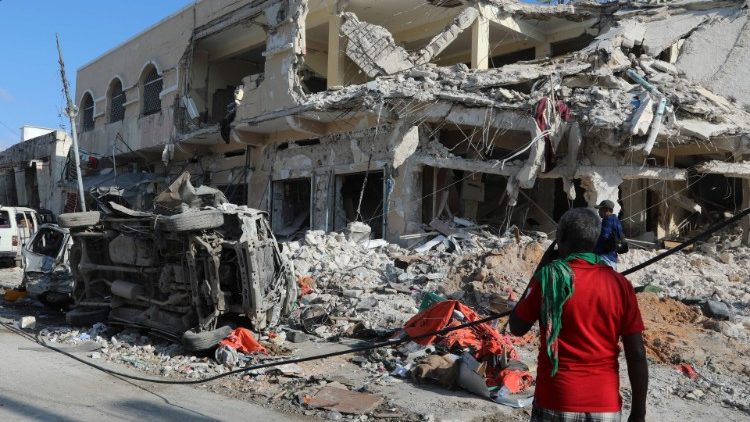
pixel 603 308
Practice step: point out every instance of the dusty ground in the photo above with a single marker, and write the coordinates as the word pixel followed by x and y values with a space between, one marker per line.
pixel 676 333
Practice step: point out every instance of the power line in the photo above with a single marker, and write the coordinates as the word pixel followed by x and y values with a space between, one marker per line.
pixel 14 131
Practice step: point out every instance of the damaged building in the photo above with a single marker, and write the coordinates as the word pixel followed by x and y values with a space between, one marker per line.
pixel 397 113
pixel 31 170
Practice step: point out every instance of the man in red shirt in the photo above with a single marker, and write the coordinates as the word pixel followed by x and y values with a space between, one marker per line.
pixel 584 308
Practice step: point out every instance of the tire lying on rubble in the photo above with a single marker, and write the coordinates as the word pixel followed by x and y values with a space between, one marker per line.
pixel 86 317
pixel 192 221
pixel 78 219
pixel 195 342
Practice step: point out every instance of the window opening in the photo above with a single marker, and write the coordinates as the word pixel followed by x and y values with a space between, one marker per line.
pixel 116 102
pixel 152 87
pixel 87 113
pixel 291 207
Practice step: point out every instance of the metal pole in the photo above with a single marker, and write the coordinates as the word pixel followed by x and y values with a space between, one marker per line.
pixel 72 112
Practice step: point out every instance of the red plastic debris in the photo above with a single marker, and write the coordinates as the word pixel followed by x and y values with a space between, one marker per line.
pixel 243 341
pixel 687 370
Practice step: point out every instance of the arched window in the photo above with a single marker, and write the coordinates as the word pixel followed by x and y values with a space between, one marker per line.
pixel 152 86
pixel 87 112
pixel 116 101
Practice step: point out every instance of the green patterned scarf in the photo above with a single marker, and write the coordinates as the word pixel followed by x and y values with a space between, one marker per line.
pixel 556 281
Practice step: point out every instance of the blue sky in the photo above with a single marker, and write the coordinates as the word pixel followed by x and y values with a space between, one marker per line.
pixel 30 87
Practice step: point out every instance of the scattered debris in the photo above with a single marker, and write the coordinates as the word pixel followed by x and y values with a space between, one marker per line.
pixel 344 401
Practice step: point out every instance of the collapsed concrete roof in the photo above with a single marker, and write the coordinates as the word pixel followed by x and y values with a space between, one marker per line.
pixel 594 81
pixel 631 90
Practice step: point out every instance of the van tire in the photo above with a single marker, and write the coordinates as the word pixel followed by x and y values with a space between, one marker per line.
pixel 86 317
pixel 192 221
pixel 78 219
pixel 196 342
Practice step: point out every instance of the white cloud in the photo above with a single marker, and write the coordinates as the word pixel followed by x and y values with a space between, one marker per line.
pixel 5 95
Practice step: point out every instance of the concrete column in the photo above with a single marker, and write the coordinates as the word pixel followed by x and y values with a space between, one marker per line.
pixel 404 203
pixel 542 51
pixel 260 177
pixel 634 206
pixel 20 175
pixel 601 186
pixel 323 185
pixel 336 53
pixel 44 182
pixel 667 225
pixel 480 43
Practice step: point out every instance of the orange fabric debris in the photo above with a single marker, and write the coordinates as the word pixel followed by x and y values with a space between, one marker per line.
pixel 306 284
pixel 482 338
pixel 243 341
pixel 13 295
pixel 515 380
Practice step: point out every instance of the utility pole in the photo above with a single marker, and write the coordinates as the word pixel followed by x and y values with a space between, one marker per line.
pixel 72 113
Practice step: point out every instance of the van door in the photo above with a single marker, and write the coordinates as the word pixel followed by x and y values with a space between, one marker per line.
pixel 6 233
pixel 24 230
pixel 33 223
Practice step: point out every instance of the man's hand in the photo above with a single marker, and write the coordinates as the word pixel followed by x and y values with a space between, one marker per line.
pixel 635 355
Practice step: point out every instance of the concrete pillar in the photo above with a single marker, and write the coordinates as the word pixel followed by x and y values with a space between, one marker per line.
pixel 43 181
pixel 404 204
pixel 336 55
pixel 634 197
pixel 600 186
pixel 667 225
pixel 322 191
pixel 260 177
pixel 480 43
pixel 20 176
pixel 542 51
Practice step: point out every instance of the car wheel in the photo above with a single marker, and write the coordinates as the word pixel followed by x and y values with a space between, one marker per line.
pixel 55 302
pixel 78 219
pixel 192 221
pixel 86 317
pixel 195 342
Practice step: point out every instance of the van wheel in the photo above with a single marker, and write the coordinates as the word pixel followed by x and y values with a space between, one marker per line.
pixel 195 342
pixel 78 219
pixel 86 317
pixel 192 221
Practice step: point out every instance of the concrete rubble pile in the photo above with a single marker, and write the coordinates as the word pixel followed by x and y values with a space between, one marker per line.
pixel 375 286
pixel 366 293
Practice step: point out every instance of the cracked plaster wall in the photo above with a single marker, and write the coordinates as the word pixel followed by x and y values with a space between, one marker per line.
pixel 50 153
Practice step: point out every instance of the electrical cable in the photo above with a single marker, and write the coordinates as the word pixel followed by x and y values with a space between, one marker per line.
pixel 711 230
pixel 373 346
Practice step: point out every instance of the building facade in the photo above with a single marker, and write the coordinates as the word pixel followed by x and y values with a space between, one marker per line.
pixel 395 113
pixel 32 170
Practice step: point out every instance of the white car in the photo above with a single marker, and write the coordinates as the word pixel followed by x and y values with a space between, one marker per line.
pixel 17 225
pixel 47 276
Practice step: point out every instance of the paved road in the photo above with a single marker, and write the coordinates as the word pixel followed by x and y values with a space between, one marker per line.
pixel 40 385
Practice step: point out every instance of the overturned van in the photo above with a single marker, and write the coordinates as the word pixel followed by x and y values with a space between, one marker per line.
pixel 180 276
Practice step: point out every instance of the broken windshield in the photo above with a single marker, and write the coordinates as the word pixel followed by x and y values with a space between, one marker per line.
pixel 48 243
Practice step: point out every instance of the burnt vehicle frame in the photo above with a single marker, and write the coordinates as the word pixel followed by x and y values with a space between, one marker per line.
pixel 179 276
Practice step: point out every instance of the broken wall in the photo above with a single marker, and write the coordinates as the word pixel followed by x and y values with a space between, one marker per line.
pixel 33 170
pixel 327 160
